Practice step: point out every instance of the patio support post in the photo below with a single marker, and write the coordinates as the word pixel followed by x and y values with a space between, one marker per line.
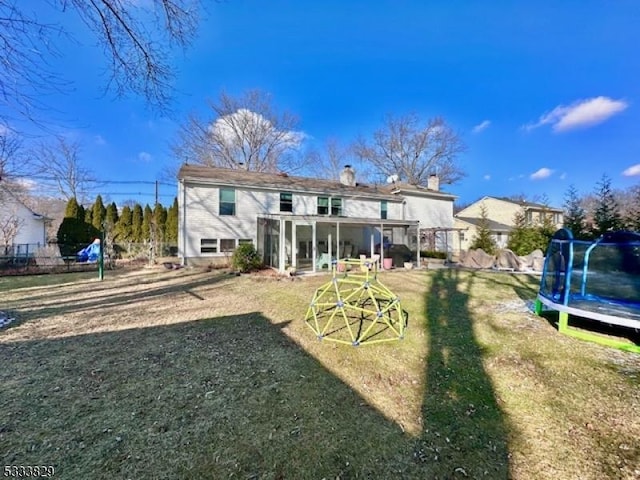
pixel 372 243
pixel 314 253
pixel 418 244
pixel 294 245
pixel 381 246
pixel 282 252
pixel 338 240
pixel 329 249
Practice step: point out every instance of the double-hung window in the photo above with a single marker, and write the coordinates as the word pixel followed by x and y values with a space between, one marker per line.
pixel 336 207
pixel 383 209
pixel 323 205
pixel 330 205
pixel 286 202
pixel 227 201
pixel 208 245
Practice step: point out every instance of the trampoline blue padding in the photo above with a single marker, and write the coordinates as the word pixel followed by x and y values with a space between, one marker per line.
pixel 597 279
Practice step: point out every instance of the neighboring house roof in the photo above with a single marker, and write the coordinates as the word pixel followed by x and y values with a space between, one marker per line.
pixel 528 205
pixel 283 181
pixel 493 226
pixel 419 190
pixel 16 199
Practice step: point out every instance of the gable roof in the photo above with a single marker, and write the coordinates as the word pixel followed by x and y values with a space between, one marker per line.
pixel 523 204
pixel 14 198
pixel 419 190
pixel 528 205
pixel 493 226
pixel 283 181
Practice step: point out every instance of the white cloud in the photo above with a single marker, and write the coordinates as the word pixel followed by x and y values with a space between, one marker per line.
pixel 544 172
pixel 580 114
pixel 632 171
pixel 228 129
pixel 487 177
pixel 481 126
pixel 26 183
pixel 99 140
pixel 145 157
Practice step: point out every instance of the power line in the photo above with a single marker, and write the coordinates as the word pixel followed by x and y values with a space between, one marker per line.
pixel 100 182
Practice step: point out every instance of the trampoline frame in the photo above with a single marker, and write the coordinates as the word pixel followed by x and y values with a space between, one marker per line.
pixel 565 236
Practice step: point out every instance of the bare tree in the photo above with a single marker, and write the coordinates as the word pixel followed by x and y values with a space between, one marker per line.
pixel 136 38
pixel 12 160
pixel 59 163
pixel 10 221
pixel 243 132
pixel 406 147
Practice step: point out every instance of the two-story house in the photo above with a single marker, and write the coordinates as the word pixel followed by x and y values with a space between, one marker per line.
pixel 298 221
pixel 501 213
pixel 22 230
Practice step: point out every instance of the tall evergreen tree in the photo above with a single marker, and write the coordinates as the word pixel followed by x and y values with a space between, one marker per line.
pixel 98 213
pixel 136 223
pixel 147 217
pixel 524 238
pixel 606 216
pixel 631 217
pixel 74 232
pixel 574 214
pixel 545 228
pixel 88 215
pixel 160 220
pixel 483 238
pixel 72 209
pixel 111 215
pixel 172 222
pixel 82 214
pixel 124 227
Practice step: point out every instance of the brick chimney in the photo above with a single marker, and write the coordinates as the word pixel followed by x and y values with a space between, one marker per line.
pixel 433 182
pixel 348 176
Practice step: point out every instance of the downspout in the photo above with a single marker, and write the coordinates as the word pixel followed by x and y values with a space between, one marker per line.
pixel 183 222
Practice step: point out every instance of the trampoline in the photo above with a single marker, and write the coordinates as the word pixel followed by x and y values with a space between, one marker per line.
pixel 596 280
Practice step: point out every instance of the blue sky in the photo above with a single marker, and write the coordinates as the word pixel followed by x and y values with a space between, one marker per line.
pixel 544 94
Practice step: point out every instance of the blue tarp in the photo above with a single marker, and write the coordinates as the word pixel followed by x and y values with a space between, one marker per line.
pixel 89 253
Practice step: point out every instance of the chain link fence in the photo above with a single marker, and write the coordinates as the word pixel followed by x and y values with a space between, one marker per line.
pixel 25 259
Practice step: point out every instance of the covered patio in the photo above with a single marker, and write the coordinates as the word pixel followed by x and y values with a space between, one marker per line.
pixel 311 243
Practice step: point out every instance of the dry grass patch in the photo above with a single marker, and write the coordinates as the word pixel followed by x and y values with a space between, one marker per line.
pixel 193 374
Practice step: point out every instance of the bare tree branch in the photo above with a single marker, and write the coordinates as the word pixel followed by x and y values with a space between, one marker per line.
pixel 10 221
pixel 59 163
pixel 244 132
pixel 405 147
pixel 136 38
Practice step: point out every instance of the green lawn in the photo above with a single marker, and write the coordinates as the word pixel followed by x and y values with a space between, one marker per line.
pixel 191 374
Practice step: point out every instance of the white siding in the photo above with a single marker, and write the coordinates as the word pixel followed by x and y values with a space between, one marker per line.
pixel 361 208
pixel 31 229
pixel 431 212
pixel 199 219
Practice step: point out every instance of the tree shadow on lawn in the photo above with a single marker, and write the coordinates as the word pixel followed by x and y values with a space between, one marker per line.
pixel 465 432
pixel 208 399
pixel 89 301
pixel 235 396
pixel 93 286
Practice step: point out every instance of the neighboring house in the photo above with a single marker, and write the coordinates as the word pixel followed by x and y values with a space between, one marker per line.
pixel 501 213
pixel 297 221
pixel 21 229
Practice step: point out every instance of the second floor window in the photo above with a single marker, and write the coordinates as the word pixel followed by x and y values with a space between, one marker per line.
pixel 383 209
pixel 330 205
pixel 286 202
pixel 336 206
pixel 323 205
pixel 227 201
